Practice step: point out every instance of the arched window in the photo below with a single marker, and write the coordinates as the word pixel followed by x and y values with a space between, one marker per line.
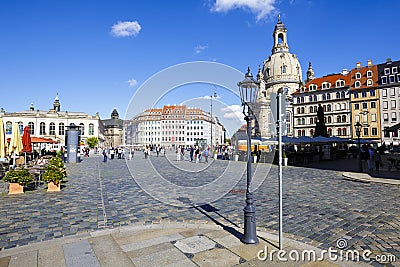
pixel 338 119
pixel 61 129
pixel 303 121
pixel 8 127
pixel 339 131
pixel 298 122
pixel 31 126
pixel 311 132
pixel 315 108
pixel 299 132
pixel 329 119
pixel 302 99
pixel 82 128
pixel 310 110
pixel 303 132
pixel 343 94
pixel 52 128
pixel 21 127
pixel 298 100
pixel 329 107
pixel 344 132
pixel 283 69
pixel 328 96
pixel 338 106
pixel 324 107
pixel 91 129
pixel 323 97
pixel 315 98
pixel 311 121
pixel 310 98
pixel 298 110
pixel 330 132
pixel 337 95
pixel 344 118
pixel 42 128
pixel 302 110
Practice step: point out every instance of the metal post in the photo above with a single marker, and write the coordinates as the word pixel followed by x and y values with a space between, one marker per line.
pixel 279 128
pixel 250 234
pixel 359 153
pixel 211 141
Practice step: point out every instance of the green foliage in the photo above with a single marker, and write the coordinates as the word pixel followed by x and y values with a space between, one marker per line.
pixel 92 142
pixel 54 171
pixel 22 176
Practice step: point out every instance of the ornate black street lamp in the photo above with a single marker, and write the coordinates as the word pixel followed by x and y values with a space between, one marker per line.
pixel 358 128
pixel 248 89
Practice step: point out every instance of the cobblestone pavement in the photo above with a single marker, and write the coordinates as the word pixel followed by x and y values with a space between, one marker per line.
pixel 320 206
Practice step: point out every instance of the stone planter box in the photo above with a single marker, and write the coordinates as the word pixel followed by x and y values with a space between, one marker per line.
pixel 51 187
pixel 15 188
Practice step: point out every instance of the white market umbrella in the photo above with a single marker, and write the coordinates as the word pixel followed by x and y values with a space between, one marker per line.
pixel 3 140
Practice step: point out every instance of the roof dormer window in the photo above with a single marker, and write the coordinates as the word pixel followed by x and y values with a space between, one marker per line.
pixel 326 85
pixel 312 87
pixel 357 84
pixel 394 70
pixel 358 75
pixel 369 73
pixel 339 83
pixel 369 82
pixel 387 71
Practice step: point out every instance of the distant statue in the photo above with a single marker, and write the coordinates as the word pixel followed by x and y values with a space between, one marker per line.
pixel 320 113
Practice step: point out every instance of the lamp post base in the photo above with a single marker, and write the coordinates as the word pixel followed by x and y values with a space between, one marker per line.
pixel 250 233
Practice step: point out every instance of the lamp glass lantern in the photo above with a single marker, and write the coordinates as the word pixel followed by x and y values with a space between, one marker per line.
pixel 358 127
pixel 248 89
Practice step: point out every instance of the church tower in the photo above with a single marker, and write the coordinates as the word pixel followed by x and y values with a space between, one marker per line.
pixel 56 104
pixel 281 70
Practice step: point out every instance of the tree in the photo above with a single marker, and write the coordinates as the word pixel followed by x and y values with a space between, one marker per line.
pixel 92 142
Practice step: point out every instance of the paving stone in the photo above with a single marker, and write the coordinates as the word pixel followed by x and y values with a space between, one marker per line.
pixel 108 252
pixel 162 258
pixel 80 254
pixel 194 244
pixel 24 259
pixel 52 256
pixel 150 242
pixel 216 257
pixel 4 261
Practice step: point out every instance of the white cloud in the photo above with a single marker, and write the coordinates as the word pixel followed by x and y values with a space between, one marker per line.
pixel 261 8
pixel 126 28
pixel 132 82
pixel 200 48
pixel 233 112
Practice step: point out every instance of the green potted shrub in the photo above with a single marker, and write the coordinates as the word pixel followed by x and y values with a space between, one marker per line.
pixel 54 174
pixel 18 179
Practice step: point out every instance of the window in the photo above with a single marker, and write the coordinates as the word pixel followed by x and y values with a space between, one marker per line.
pixel 387 71
pixel 357 118
pixel 298 110
pixel 330 132
pixel 82 128
pixel 42 128
pixel 355 94
pixel 343 94
pixel 339 131
pixel 326 85
pixel 374 131
pixel 394 70
pixel 369 73
pixel 394 116
pixel 20 127
pixel 338 106
pixel 302 110
pixel 365 131
pixel 357 84
pixel 302 99
pixel 91 129
pixel 329 107
pixel 398 77
pixel 323 97
pixel 339 83
pixel 373 117
pixel 358 75
pixel 343 106
pixel 373 104
pixel 385 117
pixel 344 131
pixel 356 106
pixel 392 91
pixel 383 80
pixel 338 119
pixel 328 96
pixel 315 98
pixel 61 128
pixel 329 119
pixel 391 79
pixel 393 104
pixel 283 69
pixel 8 127
pixel 343 118
pixel 298 100
pixel 369 82
pixel 31 126
pixel 312 87
pixel 310 98
pixel 364 94
pixel 372 93
pixel 310 110
pixel 337 95
pixel 311 121
pixel 52 128
pixel 365 105
pixel 384 93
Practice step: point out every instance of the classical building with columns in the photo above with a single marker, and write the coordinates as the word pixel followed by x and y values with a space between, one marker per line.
pixel 281 70
pixel 53 123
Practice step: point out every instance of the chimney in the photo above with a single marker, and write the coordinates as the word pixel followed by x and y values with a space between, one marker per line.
pixel 358 65
pixel 369 62
pixel 389 60
pixel 345 72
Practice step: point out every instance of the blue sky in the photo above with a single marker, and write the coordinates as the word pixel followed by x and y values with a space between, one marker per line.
pixel 96 54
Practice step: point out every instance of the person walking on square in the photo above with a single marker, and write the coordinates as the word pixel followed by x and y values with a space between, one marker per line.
pixel 112 153
pixel 197 155
pixel 377 159
pixel 191 153
pixel 104 155
pixel 206 154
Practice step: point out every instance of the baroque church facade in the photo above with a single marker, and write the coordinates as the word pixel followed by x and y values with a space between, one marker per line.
pixel 281 70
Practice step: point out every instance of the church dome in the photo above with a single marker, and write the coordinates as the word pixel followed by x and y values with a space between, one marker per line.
pixel 281 66
pixel 114 114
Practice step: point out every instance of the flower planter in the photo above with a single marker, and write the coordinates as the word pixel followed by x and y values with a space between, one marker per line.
pixel 15 188
pixel 51 187
pixel 285 161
